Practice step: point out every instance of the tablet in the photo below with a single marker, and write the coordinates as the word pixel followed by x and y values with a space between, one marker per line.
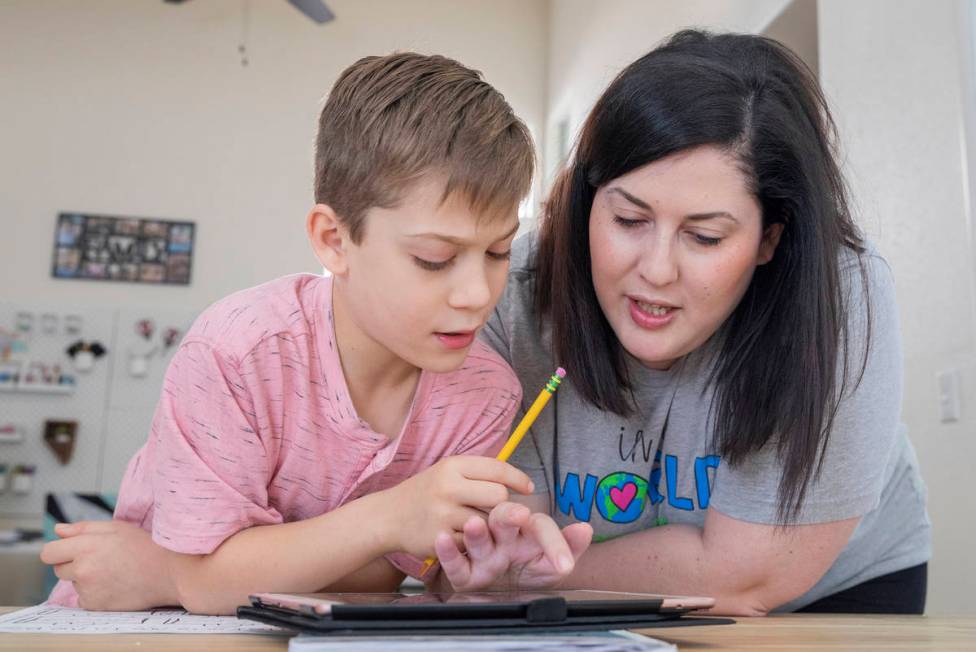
pixel 482 604
pixel 375 614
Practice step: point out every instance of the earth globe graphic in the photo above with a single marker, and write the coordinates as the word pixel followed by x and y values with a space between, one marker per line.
pixel 620 497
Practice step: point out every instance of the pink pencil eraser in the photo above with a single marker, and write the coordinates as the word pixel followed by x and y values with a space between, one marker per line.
pixel 561 372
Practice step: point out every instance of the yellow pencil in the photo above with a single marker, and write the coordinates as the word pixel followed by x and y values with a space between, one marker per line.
pixel 523 427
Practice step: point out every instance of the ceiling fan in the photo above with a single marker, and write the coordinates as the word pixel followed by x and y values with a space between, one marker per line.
pixel 314 9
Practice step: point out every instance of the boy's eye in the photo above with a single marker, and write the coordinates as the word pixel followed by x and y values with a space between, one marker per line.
pixel 495 255
pixel 431 265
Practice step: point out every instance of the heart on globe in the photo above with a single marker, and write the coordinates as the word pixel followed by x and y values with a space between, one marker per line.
pixel 622 497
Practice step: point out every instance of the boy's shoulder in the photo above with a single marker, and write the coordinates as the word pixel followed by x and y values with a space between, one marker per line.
pixel 288 306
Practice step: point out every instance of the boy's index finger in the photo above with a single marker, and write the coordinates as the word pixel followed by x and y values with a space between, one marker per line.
pixel 492 470
pixel 107 526
pixel 84 527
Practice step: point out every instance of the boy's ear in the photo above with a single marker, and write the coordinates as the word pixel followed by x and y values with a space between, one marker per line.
pixel 329 238
pixel 770 240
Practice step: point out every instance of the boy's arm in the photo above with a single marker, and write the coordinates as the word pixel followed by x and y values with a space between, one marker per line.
pixel 303 556
pixel 298 557
pixel 378 576
pixel 115 566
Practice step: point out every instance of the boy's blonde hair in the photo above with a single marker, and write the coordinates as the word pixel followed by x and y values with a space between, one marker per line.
pixel 390 120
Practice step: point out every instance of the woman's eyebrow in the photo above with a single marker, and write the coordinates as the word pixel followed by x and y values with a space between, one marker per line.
pixel 695 217
pixel 629 197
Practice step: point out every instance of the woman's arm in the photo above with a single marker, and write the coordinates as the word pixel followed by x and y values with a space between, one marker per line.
pixel 748 568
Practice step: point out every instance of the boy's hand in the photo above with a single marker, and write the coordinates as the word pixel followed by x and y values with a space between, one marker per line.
pixel 443 497
pixel 114 565
pixel 514 549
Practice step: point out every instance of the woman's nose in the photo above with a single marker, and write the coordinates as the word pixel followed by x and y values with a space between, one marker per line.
pixel 659 266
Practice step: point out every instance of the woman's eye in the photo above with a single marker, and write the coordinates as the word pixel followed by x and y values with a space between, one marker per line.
pixel 504 255
pixel 430 265
pixel 624 222
pixel 706 240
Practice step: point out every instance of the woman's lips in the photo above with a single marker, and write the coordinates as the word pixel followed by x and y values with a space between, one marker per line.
pixel 648 320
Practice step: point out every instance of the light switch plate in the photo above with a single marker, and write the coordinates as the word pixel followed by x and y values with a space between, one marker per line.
pixel 950 404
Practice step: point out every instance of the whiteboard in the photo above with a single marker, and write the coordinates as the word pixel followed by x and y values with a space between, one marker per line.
pixel 113 409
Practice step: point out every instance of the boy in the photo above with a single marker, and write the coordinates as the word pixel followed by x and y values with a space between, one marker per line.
pixel 322 408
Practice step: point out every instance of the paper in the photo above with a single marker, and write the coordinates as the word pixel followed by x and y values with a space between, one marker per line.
pixel 614 641
pixel 50 619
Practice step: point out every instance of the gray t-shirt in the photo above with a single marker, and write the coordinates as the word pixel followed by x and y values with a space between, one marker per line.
pixel 616 474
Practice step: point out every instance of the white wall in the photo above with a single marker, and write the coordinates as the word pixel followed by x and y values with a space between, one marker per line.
pixel 139 107
pixel 892 73
pixel 589 43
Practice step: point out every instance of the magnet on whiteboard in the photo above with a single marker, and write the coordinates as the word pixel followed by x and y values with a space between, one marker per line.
pixel 138 366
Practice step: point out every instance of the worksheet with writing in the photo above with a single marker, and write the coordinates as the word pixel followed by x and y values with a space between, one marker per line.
pixel 52 619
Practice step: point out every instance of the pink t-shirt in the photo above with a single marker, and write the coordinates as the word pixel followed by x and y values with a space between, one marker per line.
pixel 255 425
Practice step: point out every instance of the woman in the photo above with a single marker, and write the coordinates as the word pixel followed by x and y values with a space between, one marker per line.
pixel 731 422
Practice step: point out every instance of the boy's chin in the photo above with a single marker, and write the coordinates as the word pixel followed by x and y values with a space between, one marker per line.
pixel 444 362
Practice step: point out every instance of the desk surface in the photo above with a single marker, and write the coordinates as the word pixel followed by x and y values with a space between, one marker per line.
pixel 807 632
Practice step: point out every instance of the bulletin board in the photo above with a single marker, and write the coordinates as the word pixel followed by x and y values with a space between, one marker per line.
pixel 110 398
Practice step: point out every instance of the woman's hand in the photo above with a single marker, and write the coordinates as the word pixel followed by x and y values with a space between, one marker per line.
pixel 514 549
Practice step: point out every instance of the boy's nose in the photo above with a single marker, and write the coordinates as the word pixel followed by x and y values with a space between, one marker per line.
pixel 471 292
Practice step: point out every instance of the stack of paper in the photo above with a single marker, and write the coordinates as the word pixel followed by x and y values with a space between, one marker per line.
pixel 615 641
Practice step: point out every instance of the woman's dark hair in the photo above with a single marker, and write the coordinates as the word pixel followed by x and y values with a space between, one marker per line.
pixel 776 377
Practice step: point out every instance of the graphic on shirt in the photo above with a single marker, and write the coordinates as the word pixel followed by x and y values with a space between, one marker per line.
pixel 621 497
pixel 645 446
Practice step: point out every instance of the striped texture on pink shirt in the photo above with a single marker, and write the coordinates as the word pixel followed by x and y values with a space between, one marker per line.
pixel 255 425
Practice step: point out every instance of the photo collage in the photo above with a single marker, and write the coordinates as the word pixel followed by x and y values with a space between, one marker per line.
pixel 99 247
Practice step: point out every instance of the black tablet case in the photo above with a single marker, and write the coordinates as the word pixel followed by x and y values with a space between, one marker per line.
pixel 544 615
